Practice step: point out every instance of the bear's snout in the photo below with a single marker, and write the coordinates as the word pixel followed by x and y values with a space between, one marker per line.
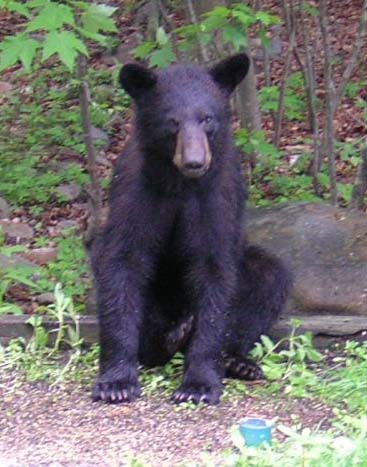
pixel 192 155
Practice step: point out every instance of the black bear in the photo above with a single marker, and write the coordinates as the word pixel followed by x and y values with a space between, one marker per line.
pixel 172 268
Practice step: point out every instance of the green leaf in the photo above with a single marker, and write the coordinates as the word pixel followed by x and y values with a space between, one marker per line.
pixel 234 36
pixel 10 309
pixel 96 18
pixel 37 3
pixel 266 19
pixel 161 36
pixel 218 11
pixel 11 48
pixel 92 35
pixel 28 53
pixel 66 45
pixel 17 7
pixel 267 343
pixel 314 355
pixel 310 9
pixel 215 21
pixel 162 57
pixel 51 17
pixel 144 49
pixel 245 19
pixel 18 48
pixel 104 10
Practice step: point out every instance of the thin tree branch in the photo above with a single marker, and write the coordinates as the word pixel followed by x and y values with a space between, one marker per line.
pixel 308 71
pixel 172 27
pixel 203 52
pixel 289 14
pixel 95 191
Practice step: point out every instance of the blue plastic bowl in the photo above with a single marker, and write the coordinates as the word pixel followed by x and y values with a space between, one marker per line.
pixel 256 431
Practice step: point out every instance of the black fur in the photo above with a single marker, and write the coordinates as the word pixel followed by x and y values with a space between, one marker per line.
pixel 172 269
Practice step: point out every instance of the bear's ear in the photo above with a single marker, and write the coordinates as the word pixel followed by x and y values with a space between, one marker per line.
pixel 136 79
pixel 230 72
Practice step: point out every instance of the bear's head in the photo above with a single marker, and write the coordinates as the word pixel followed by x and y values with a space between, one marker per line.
pixel 183 112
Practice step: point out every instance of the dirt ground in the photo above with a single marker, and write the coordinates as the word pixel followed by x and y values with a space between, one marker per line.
pixel 56 427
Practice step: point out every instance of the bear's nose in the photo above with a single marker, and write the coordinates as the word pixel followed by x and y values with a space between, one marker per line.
pixel 193 165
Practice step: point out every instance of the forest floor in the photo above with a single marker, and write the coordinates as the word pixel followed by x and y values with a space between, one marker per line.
pixel 43 426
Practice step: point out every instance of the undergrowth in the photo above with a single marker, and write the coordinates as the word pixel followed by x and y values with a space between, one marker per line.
pixel 293 367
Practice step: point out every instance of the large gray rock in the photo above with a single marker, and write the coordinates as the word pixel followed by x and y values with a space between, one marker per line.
pixel 326 248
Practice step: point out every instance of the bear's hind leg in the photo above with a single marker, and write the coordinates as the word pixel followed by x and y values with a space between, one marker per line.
pixel 264 287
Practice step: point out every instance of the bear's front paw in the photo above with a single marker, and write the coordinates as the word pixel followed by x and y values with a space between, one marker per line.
pixel 116 392
pixel 207 393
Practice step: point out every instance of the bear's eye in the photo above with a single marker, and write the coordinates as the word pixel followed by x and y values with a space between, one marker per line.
pixel 173 125
pixel 208 123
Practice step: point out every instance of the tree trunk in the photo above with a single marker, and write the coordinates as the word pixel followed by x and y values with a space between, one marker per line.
pixel 247 106
pixel 360 184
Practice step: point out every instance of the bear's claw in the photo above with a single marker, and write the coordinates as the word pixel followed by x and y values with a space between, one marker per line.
pixel 116 392
pixel 196 394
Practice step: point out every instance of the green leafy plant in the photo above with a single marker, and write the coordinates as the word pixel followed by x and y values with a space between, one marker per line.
pixel 255 141
pixel 62 31
pixel 164 379
pixel 40 358
pixel 294 98
pixel 349 151
pixel 158 52
pixel 11 276
pixel 345 379
pixel 229 24
pixel 303 447
pixel 286 362
pixel 69 268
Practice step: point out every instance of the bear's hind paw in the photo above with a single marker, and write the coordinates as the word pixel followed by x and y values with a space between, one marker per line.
pixel 243 368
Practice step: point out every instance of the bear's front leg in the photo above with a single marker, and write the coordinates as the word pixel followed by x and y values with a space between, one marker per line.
pixel 121 270
pixel 119 305
pixel 202 380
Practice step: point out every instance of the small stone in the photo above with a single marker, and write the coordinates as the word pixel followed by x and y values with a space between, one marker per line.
pixel 41 256
pixel 99 135
pixel 5 88
pixel 4 209
pixel 16 230
pixel 45 298
pixel 14 261
pixel 66 224
pixel 69 191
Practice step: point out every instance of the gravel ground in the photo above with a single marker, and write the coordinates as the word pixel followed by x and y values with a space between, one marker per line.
pixel 40 426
